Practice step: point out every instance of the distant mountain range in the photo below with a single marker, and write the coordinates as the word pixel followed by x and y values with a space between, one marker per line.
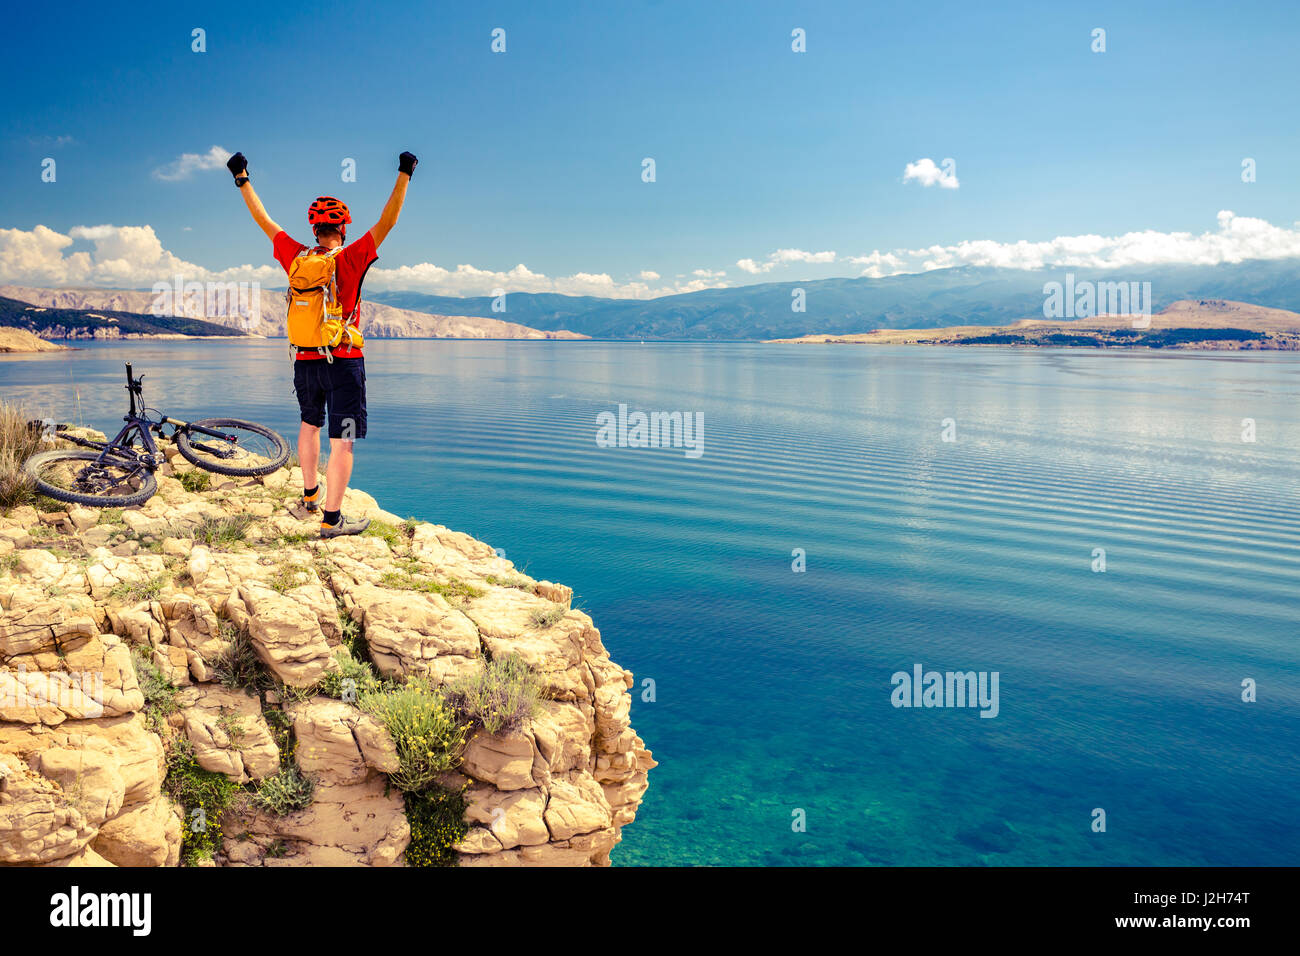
pixel 944 297
pixel 962 296
pixel 264 316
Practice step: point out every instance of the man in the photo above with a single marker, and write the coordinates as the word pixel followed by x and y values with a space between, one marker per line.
pixel 333 387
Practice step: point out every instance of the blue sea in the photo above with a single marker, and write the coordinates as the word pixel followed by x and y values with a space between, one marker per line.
pixel 765 692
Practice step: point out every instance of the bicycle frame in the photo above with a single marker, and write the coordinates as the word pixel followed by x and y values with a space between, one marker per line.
pixel 119 451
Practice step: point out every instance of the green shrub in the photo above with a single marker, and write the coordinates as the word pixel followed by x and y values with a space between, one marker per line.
pixel 363 677
pixel 239 667
pixel 280 726
pixel 406 578
pixel 133 592
pixel 437 820
pixel 285 792
pixel 222 532
pixel 428 734
pixel 352 637
pixel 500 698
pixel 196 480
pixel 159 692
pixel 509 581
pixel 232 725
pixel 294 695
pixel 287 576
pixel 18 442
pixel 382 529
pixel 196 789
pixel 547 617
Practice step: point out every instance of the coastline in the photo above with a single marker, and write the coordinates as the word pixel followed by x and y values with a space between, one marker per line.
pixel 1211 325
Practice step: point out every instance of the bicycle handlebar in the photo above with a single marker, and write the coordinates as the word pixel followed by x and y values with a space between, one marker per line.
pixel 134 388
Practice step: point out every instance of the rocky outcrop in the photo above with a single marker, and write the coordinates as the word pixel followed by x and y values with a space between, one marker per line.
pixel 20 340
pixel 223 596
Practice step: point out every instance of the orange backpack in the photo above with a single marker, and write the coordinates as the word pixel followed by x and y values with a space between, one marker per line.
pixel 315 315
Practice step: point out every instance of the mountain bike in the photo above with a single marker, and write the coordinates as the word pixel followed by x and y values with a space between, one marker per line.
pixel 120 473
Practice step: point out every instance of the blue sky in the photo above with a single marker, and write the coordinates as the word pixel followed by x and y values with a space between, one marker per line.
pixel 533 156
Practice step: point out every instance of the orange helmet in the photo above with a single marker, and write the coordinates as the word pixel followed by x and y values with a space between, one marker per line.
pixel 328 211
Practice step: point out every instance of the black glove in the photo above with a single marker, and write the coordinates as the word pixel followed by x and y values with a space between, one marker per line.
pixel 237 165
pixel 406 163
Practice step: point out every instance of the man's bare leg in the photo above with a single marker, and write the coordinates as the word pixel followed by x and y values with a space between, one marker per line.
pixel 309 454
pixel 337 473
pixel 309 459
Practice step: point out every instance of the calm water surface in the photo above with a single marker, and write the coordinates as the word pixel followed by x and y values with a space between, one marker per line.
pixel 1119 690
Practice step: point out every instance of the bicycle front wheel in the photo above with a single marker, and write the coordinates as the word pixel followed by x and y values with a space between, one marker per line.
pixel 245 448
pixel 87 478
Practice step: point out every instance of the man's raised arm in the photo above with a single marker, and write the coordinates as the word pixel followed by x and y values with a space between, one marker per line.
pixel 393 208
pixel 238 167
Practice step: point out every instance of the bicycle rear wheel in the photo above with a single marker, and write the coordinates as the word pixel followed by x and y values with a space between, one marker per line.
pixel 251 449
pixel 80 477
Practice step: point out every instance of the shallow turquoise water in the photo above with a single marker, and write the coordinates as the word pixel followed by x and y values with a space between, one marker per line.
pixel 1118 690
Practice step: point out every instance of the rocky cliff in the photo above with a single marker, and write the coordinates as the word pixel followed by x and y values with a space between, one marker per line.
pixel 199 680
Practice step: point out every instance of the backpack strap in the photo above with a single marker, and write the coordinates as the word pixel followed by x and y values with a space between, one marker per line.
pixel 334 281
pixel 356 306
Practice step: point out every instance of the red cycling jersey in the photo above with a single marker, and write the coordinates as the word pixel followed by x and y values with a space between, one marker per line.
pixel 351 266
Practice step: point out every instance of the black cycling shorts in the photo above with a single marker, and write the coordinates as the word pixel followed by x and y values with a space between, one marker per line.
pixel 336 389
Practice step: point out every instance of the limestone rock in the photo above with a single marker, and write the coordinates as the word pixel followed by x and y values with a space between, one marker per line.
pixel 576 805
pixel 505 761
pixel 146 834
pixel 287 635
pixel 338 743
pixel 346 825
pixel 512 818
pixel 37 825
pixel 412 633
pixel 228 733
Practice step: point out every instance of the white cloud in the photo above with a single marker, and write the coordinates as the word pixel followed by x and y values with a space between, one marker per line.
pixel 189 163
pixel 1236 239
pixel 925 172
pixel 468 280
pixel 134 257
pixel 55 142
pixel 122 257
pixel 783 257
pixel 878 264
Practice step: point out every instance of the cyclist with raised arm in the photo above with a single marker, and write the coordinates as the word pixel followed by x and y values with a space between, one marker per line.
pixel 324 321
